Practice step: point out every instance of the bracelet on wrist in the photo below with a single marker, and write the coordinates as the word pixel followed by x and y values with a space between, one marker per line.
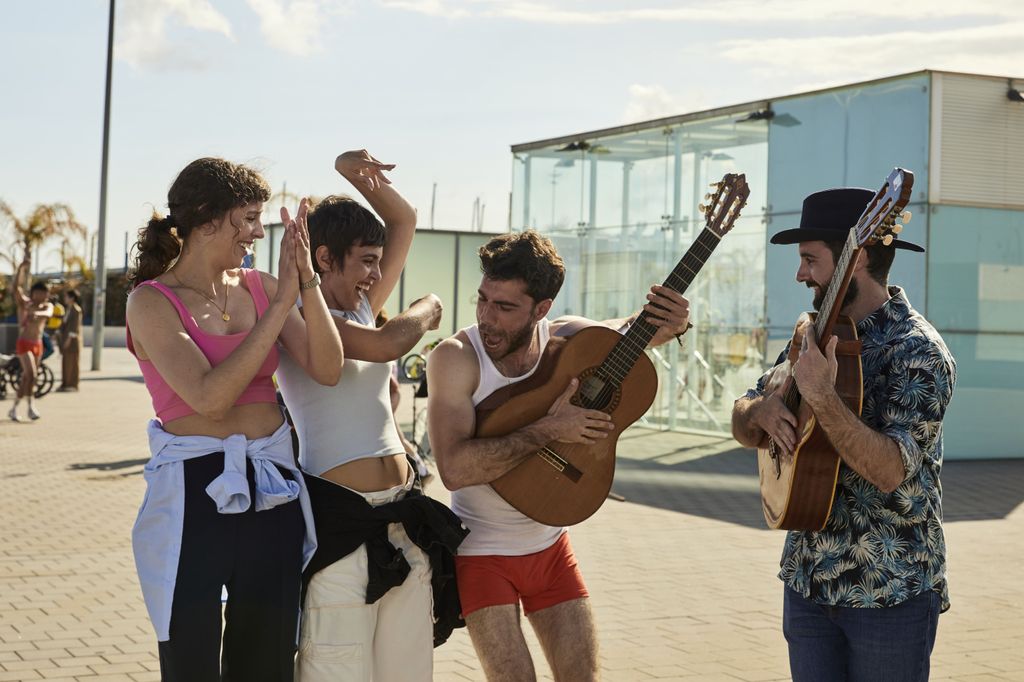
pixel 679 336
pixel 315 282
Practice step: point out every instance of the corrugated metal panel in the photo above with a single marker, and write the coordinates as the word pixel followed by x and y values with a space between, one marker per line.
pixel 981 154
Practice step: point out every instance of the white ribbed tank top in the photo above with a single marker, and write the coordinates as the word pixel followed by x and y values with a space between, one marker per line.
pixel 345 422
pixel 496 527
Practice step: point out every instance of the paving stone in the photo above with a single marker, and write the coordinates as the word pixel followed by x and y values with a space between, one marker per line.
pixel 681 575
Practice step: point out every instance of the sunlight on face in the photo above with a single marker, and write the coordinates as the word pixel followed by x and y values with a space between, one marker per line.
pixel 506 316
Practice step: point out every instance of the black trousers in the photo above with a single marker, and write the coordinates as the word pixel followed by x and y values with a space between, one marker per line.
pixel 258 557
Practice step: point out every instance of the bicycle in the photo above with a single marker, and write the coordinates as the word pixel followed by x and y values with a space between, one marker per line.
pixel 414 369
pixel 10 374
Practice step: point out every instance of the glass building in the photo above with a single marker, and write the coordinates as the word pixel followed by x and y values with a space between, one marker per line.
pixel 621 205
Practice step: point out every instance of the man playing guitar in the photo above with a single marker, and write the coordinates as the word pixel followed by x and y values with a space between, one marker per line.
pixel 508 557
pixel 863 594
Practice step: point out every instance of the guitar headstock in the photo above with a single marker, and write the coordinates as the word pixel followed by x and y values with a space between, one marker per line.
pixel 884 218
pixel 722 207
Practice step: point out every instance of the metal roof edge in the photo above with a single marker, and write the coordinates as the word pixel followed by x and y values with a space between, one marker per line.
pixel 726 110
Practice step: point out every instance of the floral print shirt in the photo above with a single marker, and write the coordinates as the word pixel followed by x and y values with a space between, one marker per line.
pixel 878 549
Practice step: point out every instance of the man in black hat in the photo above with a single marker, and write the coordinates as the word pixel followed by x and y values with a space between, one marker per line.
pixel 862 595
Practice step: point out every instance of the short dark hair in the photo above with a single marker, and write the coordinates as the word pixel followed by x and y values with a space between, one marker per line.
pixel 340 222
pixel 880 258
pixel 40 286
pixel 528 256
pixel 73 295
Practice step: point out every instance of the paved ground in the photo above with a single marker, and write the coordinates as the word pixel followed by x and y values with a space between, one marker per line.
pixel 682 573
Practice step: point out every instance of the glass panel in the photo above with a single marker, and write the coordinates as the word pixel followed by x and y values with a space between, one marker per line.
pixel 845 137
pixel 626 215
pixel 988 398
pixel 468 282
pixel 430 268
pixel 976 269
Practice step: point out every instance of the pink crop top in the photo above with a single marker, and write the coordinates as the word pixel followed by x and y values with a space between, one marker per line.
pixel 167 404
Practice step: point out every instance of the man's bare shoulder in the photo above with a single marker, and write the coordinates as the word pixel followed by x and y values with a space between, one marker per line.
pixel 454 352
pixel 453 364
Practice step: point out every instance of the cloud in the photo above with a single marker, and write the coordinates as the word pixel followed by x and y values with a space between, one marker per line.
pixel 292 26
pixel 433 8
pixel 647 102
pixel 731 12
pixel 996 49
pixel 142 31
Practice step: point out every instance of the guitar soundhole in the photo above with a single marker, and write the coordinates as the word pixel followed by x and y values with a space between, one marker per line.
pixel 595 392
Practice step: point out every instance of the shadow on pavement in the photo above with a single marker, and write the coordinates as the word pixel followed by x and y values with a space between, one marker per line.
pixel 723 484
pixel 110 466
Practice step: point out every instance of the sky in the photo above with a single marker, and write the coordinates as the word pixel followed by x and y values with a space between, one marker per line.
pixel 441 88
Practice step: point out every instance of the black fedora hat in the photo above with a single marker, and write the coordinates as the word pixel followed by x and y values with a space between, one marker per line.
pixel 829 214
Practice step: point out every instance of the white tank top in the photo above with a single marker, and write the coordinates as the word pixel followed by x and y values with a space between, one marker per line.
pixel 496 527
pixel 348 421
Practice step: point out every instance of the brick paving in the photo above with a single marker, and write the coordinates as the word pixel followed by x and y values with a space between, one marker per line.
pixel 682 574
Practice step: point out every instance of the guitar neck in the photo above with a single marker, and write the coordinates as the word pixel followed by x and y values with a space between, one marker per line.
pixel 836 292
pixel 829 310
pixel 629 348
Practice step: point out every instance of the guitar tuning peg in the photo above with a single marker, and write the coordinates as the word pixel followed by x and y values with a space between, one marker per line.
pixel 702 208
pixel 887 240
pixel 716 185
pixel 906 216
pixel 897 228
pixel 707 196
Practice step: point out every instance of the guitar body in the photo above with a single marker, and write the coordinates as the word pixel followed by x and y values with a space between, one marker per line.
pixel 565 483
pixel 797 489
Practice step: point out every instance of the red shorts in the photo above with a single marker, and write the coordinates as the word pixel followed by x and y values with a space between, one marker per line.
pixel 23 346
pixel 542 579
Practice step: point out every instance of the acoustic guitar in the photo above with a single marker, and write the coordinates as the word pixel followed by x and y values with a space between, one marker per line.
pixel 797 488
pixel 564 483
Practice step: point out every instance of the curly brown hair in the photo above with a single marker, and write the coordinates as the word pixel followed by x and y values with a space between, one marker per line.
pixel 528 256
pixel 204 190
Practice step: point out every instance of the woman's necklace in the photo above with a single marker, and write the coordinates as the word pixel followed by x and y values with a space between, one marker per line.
pixel 223 311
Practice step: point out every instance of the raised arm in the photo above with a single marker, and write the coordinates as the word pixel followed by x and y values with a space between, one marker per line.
pixel 19 293
pixel 668 309
pixel 462 459
pixel 367 175
pixel 396 337
pixel 311 338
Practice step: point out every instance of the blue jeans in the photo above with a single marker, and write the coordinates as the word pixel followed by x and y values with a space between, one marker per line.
pixel 841 644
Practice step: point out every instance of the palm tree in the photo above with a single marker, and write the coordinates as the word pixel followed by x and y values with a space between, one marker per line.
pixel 44 222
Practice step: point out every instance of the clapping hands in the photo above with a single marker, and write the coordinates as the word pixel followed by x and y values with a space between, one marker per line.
pixel 295 265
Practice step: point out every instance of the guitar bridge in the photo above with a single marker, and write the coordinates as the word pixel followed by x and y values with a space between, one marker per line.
pixel 560 464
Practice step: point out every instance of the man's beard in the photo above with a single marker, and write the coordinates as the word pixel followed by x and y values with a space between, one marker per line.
pixel 516 340
pixel 819 296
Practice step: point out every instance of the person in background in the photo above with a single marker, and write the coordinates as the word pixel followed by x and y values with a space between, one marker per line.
pixel 34 309
pixel 70 341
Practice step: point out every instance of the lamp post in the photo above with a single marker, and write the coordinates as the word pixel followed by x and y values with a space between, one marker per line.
pixel 100 285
